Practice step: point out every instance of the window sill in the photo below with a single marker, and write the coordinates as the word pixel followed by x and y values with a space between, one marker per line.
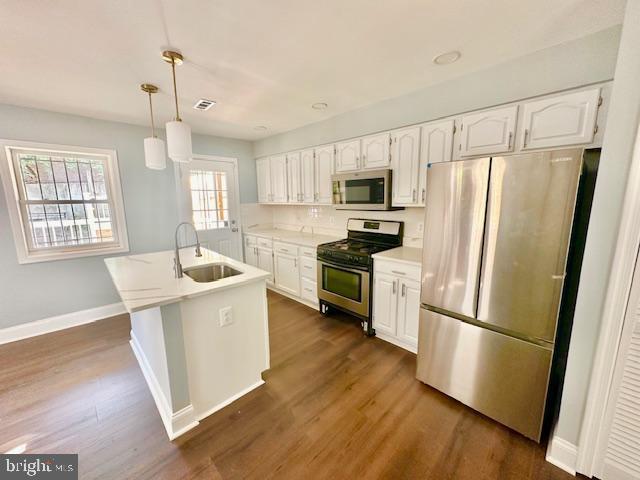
pixel 70 254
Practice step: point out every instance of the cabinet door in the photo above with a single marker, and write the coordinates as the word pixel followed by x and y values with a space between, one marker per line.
pixel 375 151
pixel 250 252
pixel 348 156
pixel 385 295
pixel 287 273
pixel 265 261
pixel 565 120
pixel 405 162
pixel 409 311
pixel 436 146
pixel 488 132
pixel 307 176
pixel 324 170
pixel 263 172
pixel 294 190
pixel 278 164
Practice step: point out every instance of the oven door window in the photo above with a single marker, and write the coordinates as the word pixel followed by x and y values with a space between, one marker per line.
pixel 344 283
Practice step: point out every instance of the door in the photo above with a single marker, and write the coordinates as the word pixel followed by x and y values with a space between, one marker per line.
pixel 436 146
pixel 324 170
pixel 564 120
pixel 208 198
pixel 348 156
pixel 491 131
pixel 294 176
pixel 265 261
pixel 385 299
pixel 500 376
pixel 307 176
pixel 278 171
pixel 287 273
pixel 618 452
pixel 405 162
pixel 263 172
pixel 375 151
pixel 529 218
pixel 409 311
pixel 453 232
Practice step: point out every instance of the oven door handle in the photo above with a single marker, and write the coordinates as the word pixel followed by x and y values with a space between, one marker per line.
pixel 343 267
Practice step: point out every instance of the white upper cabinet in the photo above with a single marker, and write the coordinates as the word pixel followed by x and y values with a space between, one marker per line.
pixel 436 145
pixel 563 120
pixel 307 176
pixel 294 178
pixel 405 162
pixel 263 172
pixel 278 166
pixel 348 156
pixel 375 151
pixel 323 171
pixel 488 132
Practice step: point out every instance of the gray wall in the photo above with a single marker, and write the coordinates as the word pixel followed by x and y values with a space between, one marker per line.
pixel 587 60
pixel 42 290
pixel 617 152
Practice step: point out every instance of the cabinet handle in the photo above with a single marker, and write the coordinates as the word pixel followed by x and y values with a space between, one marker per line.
pixel 509 141
pixel 424 194
pixel 404 288
pixel 394 286
pixel 413 195
pixel 398 272
pixel 364 158
pixel 526 134
pixel 307 267
pixel 295 263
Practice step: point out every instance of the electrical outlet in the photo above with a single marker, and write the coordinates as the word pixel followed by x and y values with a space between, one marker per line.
pixel 226 316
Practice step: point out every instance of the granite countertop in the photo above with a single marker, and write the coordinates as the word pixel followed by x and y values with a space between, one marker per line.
pixel 409 255
pixel 292 236
pixel 148 280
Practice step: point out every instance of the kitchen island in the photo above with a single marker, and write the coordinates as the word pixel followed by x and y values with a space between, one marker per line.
pixel 202 340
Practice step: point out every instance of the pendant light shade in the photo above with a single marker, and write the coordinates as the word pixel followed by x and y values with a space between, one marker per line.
pixel 155 157
pixel 178 133
pixel 179 141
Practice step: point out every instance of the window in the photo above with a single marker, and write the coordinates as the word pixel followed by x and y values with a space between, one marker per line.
pixel 64 202
pixel 209 199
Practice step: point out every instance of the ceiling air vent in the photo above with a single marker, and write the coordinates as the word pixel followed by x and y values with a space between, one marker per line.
pixel 204 104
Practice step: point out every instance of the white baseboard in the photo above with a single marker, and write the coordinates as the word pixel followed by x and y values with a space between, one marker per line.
pixel 59 322
pixel 273 288
pixel 231 399
pixel 562 454
pixel 175 423
pixel 396 342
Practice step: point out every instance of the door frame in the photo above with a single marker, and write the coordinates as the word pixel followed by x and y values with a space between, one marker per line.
pixel 217 158
pixel 614 313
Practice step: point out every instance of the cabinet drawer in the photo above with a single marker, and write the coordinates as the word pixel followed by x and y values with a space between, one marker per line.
pixel 265 242
pixel 250 241
pixel 285 248
pixel 308 268
pixel 309 290
pixel 402 270
pixel 308 252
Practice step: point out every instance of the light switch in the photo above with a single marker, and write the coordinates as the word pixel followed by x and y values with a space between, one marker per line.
pixel 226 316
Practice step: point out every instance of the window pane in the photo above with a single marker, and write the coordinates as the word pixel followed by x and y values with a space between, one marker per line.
pixel 209 199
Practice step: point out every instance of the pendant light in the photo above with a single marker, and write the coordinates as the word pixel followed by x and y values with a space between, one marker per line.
pixel 154 151
pixel 178 133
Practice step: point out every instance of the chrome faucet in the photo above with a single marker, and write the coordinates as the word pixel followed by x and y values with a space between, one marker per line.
pixel 177 266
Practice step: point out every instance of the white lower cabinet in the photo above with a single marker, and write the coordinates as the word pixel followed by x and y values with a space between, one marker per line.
pixel 396 302
pixel 265 261
pixel 287 273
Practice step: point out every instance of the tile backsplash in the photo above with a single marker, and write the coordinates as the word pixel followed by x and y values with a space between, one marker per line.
pixel 326 219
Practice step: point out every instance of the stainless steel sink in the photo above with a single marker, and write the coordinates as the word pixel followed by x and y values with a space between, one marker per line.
pixel 211 273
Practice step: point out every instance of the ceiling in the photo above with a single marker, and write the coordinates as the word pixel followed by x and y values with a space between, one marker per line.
pixel 264 62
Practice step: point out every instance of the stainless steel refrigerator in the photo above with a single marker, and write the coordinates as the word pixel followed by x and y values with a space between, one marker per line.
pixel 495 249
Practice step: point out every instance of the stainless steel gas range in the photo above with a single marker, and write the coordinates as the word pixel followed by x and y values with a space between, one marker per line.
pixel 345 267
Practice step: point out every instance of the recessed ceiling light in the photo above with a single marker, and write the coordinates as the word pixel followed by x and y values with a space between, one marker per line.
pixel 319 106
pixel 260 128
pixel 447 58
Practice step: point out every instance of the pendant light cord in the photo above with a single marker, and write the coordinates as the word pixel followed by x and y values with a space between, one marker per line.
pixel 175 89
pixel 153 127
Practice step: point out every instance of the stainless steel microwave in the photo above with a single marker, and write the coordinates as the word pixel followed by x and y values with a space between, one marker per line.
pixel 366 190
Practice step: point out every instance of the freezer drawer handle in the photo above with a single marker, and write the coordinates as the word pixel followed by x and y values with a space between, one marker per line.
pixel 398 272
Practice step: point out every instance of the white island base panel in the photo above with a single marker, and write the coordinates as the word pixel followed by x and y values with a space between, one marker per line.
pixel 192 363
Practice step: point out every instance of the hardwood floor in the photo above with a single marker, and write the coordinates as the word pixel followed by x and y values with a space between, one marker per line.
pixel 335 405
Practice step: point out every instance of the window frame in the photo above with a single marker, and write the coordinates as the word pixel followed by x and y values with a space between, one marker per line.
pixel 21 231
